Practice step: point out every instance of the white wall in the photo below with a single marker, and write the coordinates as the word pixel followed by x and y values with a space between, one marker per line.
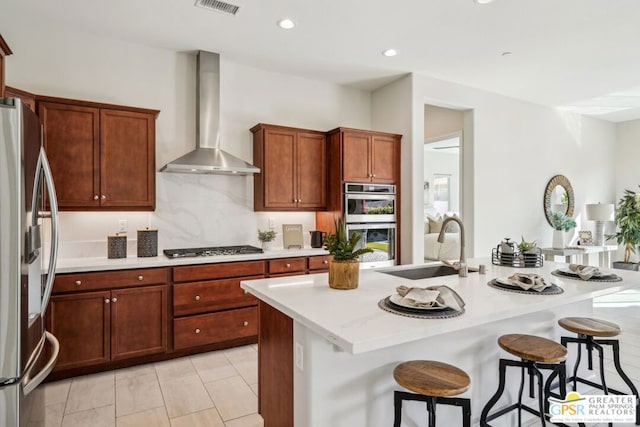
pixel 191 210
pixel 517 148
pixel 443 164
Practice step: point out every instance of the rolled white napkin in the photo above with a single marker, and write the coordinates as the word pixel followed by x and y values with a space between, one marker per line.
pixel 529 281
pixel 431 296
pixel 585 272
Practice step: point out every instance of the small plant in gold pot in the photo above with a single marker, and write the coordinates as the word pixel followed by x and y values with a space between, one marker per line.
pixel 344 269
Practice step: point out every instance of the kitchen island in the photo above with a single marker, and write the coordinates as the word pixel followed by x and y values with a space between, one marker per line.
pixel 326 356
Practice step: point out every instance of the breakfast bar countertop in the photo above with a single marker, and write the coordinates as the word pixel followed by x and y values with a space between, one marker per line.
pixel 352 320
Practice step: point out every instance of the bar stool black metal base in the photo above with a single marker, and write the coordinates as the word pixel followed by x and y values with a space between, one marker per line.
pixel 431 401
pixel 591 343
pixel 544 392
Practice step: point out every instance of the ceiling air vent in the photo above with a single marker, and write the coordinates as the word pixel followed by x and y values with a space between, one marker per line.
pixel 218 6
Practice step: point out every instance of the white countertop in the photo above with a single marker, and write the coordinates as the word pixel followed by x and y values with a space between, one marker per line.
pixel 352 320
pixel 76 265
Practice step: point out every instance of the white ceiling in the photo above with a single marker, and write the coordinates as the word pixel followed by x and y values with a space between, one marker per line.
pixel 563 52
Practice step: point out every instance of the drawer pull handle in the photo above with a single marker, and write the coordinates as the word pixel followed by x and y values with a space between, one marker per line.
pixel 107 300
pixel 78 282
pixel 288 265
pixel 326 261
pixel 197 298
pixel 114 299
pixel 141 277
pixel 95 197
pixel 197 331
pixel 245 323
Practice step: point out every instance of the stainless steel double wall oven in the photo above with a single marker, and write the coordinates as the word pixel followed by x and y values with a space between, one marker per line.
pixel 370 211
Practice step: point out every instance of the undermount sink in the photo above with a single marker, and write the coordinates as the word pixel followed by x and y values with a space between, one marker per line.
pixel 424 272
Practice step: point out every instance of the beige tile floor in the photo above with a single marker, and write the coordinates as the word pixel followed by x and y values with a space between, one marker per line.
pixel 220 388
pixel 214 389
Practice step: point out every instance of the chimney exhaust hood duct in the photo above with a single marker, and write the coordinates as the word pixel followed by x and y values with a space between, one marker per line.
pixel 208 157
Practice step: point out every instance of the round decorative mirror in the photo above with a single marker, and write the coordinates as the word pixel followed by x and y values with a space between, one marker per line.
pixel 558 197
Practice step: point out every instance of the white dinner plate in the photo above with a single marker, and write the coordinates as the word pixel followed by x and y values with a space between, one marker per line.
pixel 398 300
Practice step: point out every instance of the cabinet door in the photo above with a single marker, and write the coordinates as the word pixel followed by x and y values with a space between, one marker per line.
pixel 279 168
pixel 356 158
pixel 311 170
pixel 138 321
pixel 71 138
pixel 384 159
pixel 81 324
pixel 127 159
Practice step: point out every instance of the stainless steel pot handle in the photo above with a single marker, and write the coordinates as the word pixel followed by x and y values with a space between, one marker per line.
pixel 30 383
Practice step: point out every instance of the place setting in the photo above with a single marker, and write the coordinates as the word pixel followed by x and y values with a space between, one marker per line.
pixel 585 273
pixel 431 302
pixel 524 283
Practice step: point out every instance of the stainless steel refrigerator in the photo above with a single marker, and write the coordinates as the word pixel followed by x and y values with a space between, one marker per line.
pixel 28 249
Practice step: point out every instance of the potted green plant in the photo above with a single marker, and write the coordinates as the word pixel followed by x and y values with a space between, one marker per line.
pixel 561 223
pixel 266 237
pixel 528 252
pixel 344 269
pixel 627 220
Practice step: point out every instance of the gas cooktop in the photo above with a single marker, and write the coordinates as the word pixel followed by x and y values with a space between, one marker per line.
pixel 216 250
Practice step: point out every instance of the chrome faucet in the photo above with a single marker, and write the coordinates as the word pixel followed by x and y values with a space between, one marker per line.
pixel 463 270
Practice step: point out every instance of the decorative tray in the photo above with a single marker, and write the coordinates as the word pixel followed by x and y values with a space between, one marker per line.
pixel 504 286
pixel 565 273
pixel 516 259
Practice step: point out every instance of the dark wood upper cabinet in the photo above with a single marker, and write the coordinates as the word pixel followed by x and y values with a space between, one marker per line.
pixel 27 98
pixel 4 51
pixel 102 156
pixel 293 169
pixel 369 156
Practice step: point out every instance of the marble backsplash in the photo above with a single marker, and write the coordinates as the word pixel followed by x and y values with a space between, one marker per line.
pixel 192 210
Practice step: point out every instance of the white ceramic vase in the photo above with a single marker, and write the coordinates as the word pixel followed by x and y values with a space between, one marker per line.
pixel 558 239
pixel 266 246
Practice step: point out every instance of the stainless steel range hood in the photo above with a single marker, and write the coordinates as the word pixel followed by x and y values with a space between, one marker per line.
pixel 208 157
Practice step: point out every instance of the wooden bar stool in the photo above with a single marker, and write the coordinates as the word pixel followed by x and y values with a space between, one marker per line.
pixel 433 383
pixel 536 353
pixel 587 329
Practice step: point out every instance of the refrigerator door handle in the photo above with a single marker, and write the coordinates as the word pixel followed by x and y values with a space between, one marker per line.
pixel 53 204
pixel 29 383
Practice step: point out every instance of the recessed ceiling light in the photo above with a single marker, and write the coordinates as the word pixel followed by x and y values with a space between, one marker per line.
pixel 506 53
pixel 389 52
pixel 483 1
pixel 286 24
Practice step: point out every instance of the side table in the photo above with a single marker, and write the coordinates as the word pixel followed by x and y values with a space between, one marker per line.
pixel 568 253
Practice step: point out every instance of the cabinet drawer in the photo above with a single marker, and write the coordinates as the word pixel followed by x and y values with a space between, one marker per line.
pixel 109 279
pixel 200 297
pixel 287 265
pixel 205 329
pixel 319 262
pixel 194 273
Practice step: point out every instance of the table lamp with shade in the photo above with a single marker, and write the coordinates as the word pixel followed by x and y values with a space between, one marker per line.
pixel 600 212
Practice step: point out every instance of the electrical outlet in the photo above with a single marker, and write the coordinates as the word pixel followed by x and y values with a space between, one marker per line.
pixel 299 356
pixel 272 223
pixel 122 226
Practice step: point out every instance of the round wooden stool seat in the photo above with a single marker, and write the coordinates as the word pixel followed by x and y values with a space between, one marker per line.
pixel 590 326
pixel 431 378
pixel 533 348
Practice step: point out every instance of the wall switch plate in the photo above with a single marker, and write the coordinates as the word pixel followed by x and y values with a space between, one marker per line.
pixel 272 223
pixel 122 226
pixel 299 356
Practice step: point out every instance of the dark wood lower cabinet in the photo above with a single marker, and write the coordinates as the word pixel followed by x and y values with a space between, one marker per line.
pixel 81 323
pixel 99 327
pixel 138 321
pixel 275 367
